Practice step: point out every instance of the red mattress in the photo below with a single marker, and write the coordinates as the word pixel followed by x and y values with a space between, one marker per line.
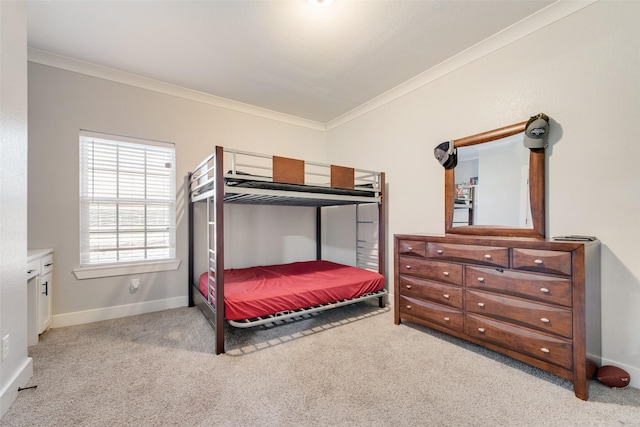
pixel 263 290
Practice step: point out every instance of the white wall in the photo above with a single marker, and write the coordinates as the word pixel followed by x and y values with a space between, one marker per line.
pixel 63 102
pixel 259 235
pixel 583 71
pixel 16 368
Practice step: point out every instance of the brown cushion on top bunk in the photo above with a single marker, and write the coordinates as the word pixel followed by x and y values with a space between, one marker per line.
pixel 288 171
pixel 342 177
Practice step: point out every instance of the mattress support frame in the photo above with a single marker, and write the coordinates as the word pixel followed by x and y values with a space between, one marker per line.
pixel 291 314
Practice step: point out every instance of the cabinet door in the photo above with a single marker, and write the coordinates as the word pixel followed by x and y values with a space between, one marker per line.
pixel 44 302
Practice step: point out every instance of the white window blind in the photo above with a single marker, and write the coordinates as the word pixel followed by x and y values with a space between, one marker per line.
pixel 127 200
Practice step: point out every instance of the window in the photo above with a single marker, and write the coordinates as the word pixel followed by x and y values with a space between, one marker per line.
pixel 127 200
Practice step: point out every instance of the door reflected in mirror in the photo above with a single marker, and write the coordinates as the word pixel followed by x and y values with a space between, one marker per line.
pixel 492 184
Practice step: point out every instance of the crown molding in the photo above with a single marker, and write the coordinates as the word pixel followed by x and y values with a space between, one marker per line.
pixel 74 65
pixel 544 17
pixel 547 16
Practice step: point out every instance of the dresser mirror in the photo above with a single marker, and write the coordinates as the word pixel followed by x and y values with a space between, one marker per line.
pixel 497 187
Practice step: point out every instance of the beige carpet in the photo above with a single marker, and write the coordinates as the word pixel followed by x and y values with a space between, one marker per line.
pixel 348 367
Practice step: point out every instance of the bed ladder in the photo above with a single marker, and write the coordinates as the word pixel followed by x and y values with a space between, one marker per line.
pixel 367 238
pixel 370 236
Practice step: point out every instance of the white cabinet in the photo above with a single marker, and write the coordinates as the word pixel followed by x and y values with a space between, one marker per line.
pixel 39 290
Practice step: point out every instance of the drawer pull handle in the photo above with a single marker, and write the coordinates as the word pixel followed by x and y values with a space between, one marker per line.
pixel 545 350
pixel 481 279
pixel 446 319
pixel 408 307
pixel 545 290
pixel 31 271
pixel 537 261
pixel 480 304
pixel 487 256
pixel 446 273
pixel 408 267
pixel 410 248
pixel 408 286
pixel 440 251
pixel 481 330
pixel 49 264
pixel 545 320
pixel 445 296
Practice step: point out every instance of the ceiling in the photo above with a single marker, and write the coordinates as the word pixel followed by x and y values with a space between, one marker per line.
pixel 288 56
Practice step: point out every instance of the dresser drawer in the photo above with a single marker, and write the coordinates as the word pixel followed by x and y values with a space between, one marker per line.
pixel 412 247
pixel 488 255
pixel 546 318
pixel 523 340
pixel 440 271
pixel 554 290
pixel 434 291
pixel 444 316
pixel 551 262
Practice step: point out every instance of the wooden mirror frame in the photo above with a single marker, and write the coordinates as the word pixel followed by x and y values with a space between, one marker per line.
pixel 536 190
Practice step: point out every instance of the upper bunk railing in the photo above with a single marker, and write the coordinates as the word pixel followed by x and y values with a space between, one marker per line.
pixel 241 167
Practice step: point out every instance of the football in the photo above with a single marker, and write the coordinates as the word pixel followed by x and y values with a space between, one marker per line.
pixel 613 376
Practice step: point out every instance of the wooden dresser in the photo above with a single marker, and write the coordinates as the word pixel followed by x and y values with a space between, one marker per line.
pixel 534 300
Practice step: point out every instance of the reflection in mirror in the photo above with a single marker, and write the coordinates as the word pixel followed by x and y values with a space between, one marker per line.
pixel 497 187
pixel 492 184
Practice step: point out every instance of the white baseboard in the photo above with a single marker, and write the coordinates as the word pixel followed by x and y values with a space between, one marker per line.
pixel 107 313
pixel 20 379
pixel 633 372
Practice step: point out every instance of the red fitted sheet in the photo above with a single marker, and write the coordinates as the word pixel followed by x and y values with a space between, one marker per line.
pixel 263 290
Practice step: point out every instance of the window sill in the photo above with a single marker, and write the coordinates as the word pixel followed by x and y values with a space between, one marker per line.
pixel 125 269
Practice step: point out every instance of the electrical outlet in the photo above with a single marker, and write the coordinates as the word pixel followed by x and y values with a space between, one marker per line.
pixel 5 347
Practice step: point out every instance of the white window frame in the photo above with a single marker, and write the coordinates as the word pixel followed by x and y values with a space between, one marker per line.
pixel 132 251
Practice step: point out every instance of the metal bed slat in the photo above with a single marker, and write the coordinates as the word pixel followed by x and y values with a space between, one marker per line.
pixel 292 314
pixel 235 194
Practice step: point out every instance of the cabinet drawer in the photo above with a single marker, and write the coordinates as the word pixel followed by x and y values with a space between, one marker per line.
pixel 434 291
pixel 441 271
pixel 33 269
pixel 546 318
pixel 46 264
pixel 488 255
pixel 548 289
pixel 552 262
pixel 523 340
pixel 412 247
pixel 444 316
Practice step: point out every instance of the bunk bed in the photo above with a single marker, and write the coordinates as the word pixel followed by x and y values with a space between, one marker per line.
pixel 260 295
